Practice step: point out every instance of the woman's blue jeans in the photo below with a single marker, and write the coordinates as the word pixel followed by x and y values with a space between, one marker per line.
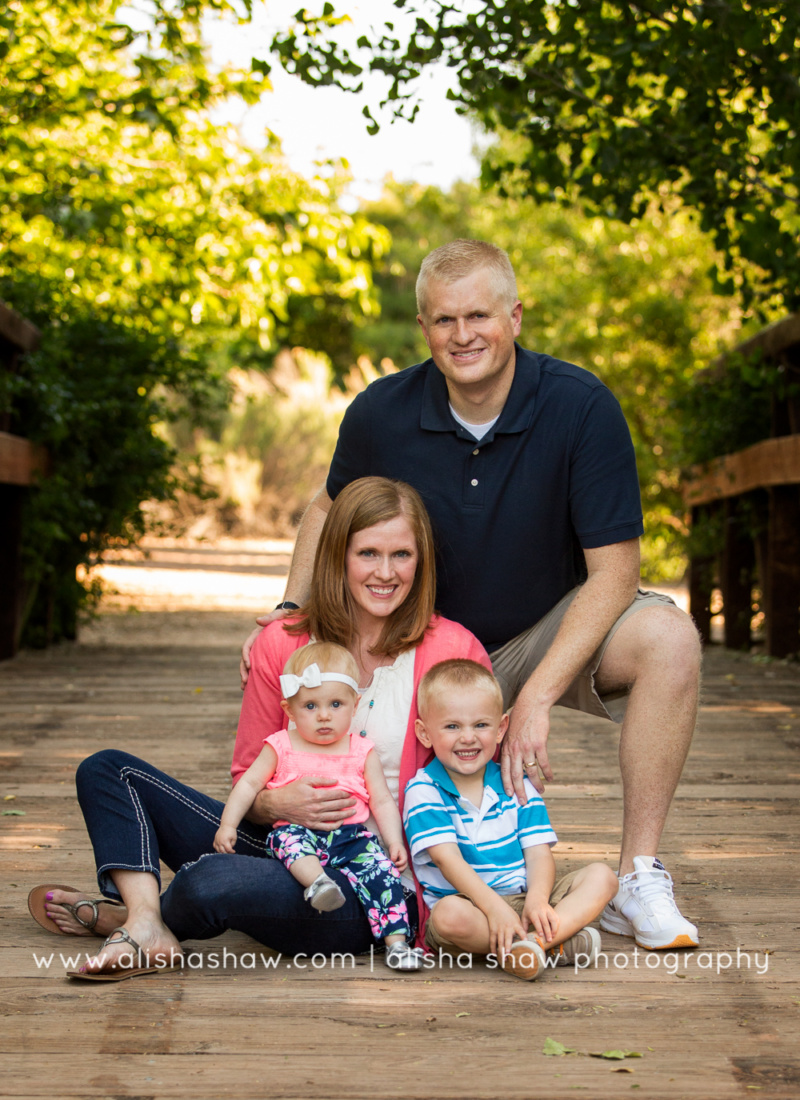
pixel 138 817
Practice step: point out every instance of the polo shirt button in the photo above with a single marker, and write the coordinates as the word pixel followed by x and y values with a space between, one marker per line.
pixel 474 481
pixel 476 452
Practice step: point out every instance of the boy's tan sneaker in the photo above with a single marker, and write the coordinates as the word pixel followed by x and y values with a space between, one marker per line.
pixel 580 950
pixel 525 960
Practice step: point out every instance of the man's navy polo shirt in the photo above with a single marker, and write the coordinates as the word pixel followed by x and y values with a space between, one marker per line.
pixel 511 513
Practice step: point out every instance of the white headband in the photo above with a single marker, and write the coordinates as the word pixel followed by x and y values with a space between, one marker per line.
pixel 312 678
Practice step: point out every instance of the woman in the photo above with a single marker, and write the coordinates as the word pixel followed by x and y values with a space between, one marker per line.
pixel 372 591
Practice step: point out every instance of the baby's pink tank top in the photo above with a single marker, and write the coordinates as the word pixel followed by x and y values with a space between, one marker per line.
pixel 346 768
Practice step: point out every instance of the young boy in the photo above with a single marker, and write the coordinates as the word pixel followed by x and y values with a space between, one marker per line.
pixel 483 860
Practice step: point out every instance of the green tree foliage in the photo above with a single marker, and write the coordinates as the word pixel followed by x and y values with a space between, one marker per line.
pixel 633 304
pixel 617 104
pixel 135 230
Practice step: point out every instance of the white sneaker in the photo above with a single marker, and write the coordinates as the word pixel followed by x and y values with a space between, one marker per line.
pixel 324 895
pixel 645 909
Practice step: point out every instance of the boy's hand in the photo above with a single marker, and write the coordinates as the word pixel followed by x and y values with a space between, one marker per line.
pixel 399 856
pixel 225 840
pixel 542 917
pixel 504 927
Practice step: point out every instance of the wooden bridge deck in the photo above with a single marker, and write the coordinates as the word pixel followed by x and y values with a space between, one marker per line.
pixel 721 1021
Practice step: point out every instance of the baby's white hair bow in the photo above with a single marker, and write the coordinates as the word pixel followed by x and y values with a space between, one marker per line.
pixel 312 678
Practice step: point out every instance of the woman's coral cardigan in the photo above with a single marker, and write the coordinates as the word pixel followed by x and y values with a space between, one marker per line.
pixel 262 714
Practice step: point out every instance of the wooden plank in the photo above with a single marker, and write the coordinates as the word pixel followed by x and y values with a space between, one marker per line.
pixel 21 462
pixel 771 462
pixel 783 606
pixel 731 843
pixel 19 332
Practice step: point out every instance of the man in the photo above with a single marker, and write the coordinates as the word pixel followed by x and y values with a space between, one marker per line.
pixel 527 468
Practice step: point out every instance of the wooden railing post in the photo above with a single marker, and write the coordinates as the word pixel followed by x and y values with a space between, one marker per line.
pixel 701 585
pixel 782 609
pixel 736 577
pixel 20 464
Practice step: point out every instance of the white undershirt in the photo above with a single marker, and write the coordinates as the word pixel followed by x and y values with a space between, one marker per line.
pixel 478 430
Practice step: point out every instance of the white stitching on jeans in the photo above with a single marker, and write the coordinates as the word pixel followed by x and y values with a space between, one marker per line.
pixel 257 844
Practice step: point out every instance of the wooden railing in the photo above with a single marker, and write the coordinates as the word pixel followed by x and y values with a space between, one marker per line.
pixel 21 464
pixel 760 481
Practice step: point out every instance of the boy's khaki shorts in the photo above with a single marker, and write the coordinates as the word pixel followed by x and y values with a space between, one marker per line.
pixel 514 662
pixel 517 903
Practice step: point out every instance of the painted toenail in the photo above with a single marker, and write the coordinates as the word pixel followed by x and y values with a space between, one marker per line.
pixel 49 897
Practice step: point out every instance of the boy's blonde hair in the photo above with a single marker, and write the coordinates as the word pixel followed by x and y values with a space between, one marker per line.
pixel 458 672
pixel 329 657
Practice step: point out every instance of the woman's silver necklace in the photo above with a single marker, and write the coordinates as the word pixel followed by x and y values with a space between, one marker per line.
pixel 363 732
pixel 374 681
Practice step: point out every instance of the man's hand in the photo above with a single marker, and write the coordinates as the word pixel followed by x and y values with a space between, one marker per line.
pixel 262 620
pixel 525 749
pixel 314 802
pixel 504 927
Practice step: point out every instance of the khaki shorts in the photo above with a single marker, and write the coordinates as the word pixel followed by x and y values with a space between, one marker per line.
pixel 514 662
pixel 516 901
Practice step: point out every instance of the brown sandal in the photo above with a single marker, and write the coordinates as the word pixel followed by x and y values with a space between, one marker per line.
pixel 120 973
pixel 36 905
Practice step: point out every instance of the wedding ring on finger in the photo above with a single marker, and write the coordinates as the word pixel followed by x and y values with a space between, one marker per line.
pixel 529 763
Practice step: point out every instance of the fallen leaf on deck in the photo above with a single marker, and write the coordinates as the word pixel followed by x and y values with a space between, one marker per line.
pixel 553 1047
pixel 462 1014
pixel 13 813
pixel 615 1054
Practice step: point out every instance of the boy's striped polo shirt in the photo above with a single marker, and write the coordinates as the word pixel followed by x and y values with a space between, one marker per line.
pixel 491 838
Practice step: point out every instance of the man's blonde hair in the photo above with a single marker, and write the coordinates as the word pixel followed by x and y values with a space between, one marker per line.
pixel 329 657
pixel 460 258
pixel 458 672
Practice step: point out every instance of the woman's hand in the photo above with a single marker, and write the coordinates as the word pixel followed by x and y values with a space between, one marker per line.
pixel 313 801
pixel 399 856
pixel 225 840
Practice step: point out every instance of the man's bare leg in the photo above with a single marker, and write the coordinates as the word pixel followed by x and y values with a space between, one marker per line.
pixel 657 653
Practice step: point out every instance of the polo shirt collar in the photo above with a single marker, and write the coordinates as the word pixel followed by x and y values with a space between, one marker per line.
pixel 517 414
pixel 438 774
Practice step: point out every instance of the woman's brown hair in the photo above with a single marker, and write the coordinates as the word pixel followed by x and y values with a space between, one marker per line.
pixel 330 613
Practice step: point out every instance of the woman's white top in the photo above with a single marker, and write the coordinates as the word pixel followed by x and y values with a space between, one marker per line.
pixel 386 721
